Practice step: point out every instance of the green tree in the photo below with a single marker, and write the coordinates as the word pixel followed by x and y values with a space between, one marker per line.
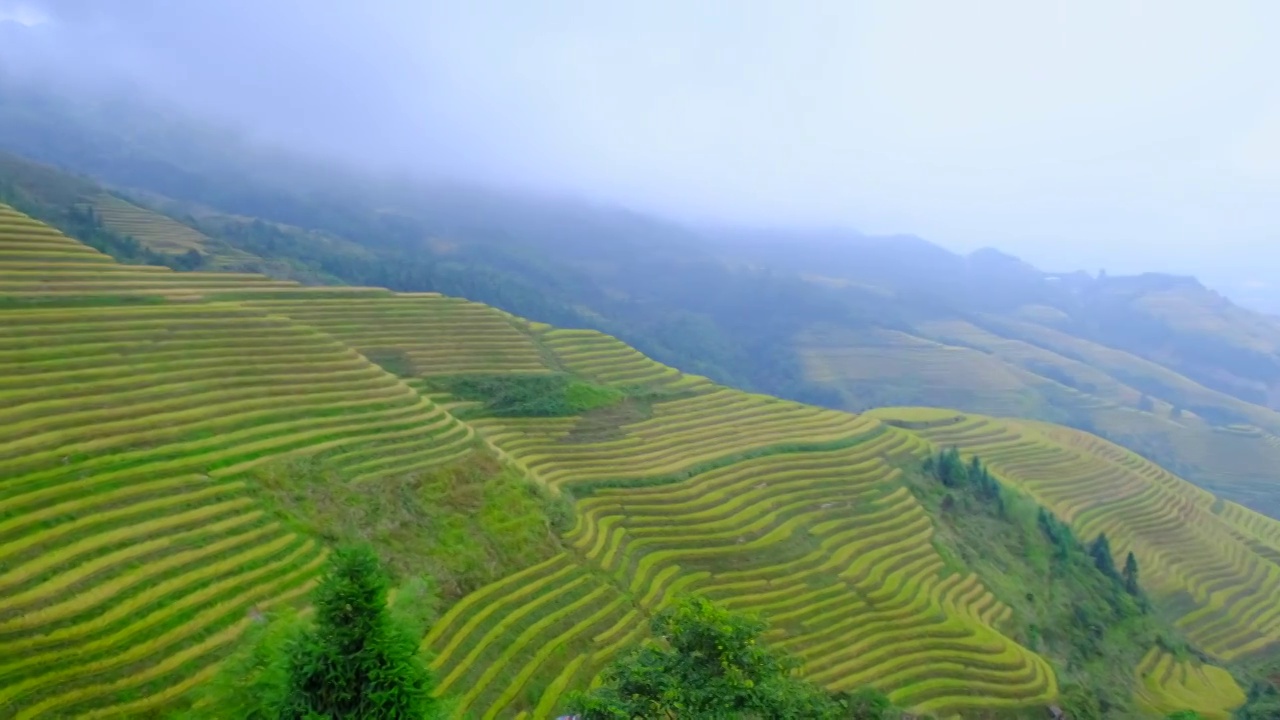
pixel 356 662
pixel 1100 550
pixel 1185 715
pixel 1130 575
pixel 707 662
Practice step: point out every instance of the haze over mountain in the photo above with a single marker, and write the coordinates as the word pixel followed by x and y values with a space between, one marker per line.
pixel 1132 136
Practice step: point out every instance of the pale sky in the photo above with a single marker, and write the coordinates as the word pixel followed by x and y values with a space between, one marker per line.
pixel 1122 134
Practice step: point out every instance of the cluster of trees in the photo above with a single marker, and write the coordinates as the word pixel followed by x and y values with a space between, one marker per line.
pixel 1124 581
pixel 950 470
pixel 1104 560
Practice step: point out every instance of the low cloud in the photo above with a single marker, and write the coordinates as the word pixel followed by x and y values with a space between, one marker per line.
pixel 1087 134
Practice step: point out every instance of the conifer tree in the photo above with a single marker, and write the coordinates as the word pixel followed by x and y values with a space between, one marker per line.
pixel 1102 558
pixel 356 662
pixel 1131 575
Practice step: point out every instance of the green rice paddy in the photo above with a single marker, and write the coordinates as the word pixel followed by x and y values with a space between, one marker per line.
pixel 136 401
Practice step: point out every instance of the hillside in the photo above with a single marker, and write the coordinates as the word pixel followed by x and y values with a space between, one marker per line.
pixel 838 319
pixel 183 446
pixel 1199 552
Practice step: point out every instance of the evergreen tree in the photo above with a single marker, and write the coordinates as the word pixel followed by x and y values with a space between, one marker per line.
pixel 1131 575
pixel 1102 557
pixel 975 471
pixel 949 468
pixel 356 662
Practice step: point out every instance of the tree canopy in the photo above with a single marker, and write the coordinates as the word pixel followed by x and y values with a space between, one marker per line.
pixel 356 661
pixel 708 662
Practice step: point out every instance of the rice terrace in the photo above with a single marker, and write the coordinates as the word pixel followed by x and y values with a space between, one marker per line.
pixel 145 411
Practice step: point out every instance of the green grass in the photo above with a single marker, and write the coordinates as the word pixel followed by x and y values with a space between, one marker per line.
pixel 464 523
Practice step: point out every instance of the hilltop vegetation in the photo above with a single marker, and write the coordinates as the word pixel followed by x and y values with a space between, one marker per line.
pixel 183 449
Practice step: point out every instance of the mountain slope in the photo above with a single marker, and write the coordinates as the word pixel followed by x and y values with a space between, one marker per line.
pixel 153 417
pixel 1218 561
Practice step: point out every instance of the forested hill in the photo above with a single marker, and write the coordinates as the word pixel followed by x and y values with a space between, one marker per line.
pixel 184 449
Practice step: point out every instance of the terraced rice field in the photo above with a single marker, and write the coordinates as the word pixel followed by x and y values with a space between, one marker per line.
pixel 426 334
pixel 1166 685
pixel 516 646
pixel 880 354
pixel 765 505
pixel 1220 567
pixel 837 553
pixel 610 361
pixel 680 434
pixel 132 549
pixel 870 365
pixel 38 262
pixel 1026 369
pixel 826 544
pixel 1095 365
pixel 135 402
pixel 1047 364
pixel 152 229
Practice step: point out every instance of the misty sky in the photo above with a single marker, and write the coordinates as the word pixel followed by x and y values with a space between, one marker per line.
pixel 1078 134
